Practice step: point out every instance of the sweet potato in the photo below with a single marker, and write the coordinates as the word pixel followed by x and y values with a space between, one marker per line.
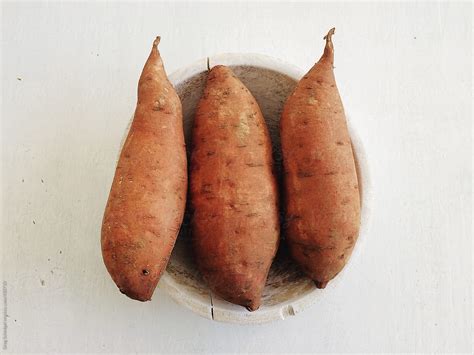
pixel 321 189
pixel 148 195
pixel 234 195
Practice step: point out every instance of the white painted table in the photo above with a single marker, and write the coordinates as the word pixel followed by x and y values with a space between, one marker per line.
pixel 69 75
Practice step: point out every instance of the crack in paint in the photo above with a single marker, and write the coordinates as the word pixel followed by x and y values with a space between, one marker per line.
pixel 212 306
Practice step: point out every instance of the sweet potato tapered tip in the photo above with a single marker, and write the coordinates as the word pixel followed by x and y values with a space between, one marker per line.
pixel 253 307
pixel 321 285
pixel 156 42
pixel 329 48
pixel 330 34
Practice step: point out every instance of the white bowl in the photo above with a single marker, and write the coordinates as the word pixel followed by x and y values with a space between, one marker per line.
pixel 287 291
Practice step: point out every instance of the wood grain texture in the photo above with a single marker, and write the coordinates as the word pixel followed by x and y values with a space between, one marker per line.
pixel 404 74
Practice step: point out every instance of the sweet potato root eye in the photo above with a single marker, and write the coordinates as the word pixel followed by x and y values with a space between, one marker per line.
pixel 145 272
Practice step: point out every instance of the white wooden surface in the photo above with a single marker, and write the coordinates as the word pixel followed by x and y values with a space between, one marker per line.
pixel 69 75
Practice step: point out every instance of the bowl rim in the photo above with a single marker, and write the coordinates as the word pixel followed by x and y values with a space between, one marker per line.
pixel 224 311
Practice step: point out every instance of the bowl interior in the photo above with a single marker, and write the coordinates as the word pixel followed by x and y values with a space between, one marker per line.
pixel 270 89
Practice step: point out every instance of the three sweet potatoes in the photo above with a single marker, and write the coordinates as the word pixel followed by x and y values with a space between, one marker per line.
pixel 233 189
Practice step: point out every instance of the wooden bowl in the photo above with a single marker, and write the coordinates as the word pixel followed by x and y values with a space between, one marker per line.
pixel 288 291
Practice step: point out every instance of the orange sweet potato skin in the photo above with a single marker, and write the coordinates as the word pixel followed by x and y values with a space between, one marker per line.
pixel 148 194
pixel 233 191
pixel 321 188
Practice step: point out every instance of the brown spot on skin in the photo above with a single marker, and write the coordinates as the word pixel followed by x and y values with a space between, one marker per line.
pixel 254 165
pixel 226 92
pixel 157 108
pixel 293 217
pixel 305 174
pixel 306 253
pixel 330 173
pixel 341 256
pixel 206 189
pixel 339 143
